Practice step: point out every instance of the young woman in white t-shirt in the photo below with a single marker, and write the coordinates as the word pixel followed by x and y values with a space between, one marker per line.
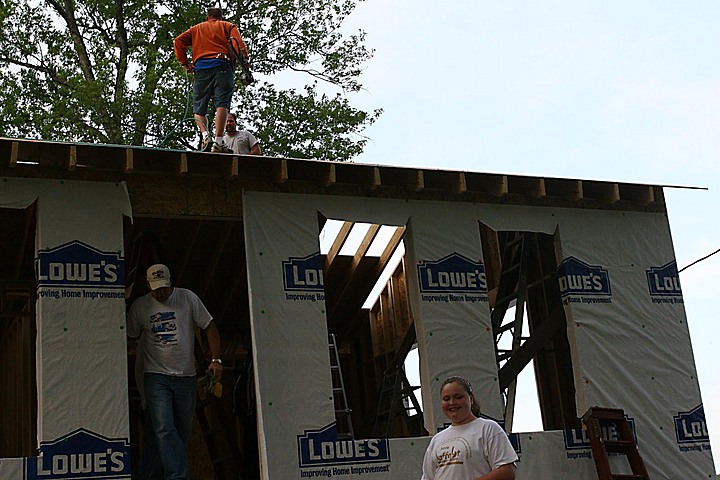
pixel 471 448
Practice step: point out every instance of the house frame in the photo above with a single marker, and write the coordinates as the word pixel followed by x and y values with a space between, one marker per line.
pixel 587 266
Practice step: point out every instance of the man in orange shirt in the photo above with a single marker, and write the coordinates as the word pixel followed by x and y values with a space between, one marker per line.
pixel 214 75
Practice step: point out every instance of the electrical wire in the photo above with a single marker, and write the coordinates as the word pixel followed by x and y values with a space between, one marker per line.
pixel 699 260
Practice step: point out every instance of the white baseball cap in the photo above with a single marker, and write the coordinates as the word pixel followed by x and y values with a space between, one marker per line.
pixel 158 276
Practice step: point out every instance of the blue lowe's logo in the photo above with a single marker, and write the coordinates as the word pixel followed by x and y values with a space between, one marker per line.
pixel 319 448
pixel 577 438
pixel 304 273
pixel 80 455
pixel 453 273
pixel 76 264
pixel 664 281
pixel 690 427
pixel 578 278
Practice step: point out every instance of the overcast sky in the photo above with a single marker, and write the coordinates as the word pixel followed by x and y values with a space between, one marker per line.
pixel 611 90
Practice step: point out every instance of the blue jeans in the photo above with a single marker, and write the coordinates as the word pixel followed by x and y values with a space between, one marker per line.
pixel 215 83
pixel 171 404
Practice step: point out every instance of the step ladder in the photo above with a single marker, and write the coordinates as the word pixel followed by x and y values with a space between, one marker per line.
pixel 218 432
pixel 397 398
pixel 343 412
pixel 596 418
pixel 217 426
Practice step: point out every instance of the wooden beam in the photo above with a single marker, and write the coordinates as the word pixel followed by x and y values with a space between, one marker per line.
pixel 611 193
pixel 640 194
pixel 378 269
pixel 338 243
pixel 72 159
pixel 418 182
pixel 576 193
pixel 14 148
pixel 491 259
pixel 129 164
pixel 375 181
pixel 351 273
pixel 329 177
pixel 391 246
pixel 234 166
pixel 532 187
pixel 458 184
pixel 493 185
pixel 571 190
pixel 537 340
pixel 183 166
pixel 281 174
pixel 364 245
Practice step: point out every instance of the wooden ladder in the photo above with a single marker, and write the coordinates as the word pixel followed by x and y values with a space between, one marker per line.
pixel 343 412
pixel 217 428
pixel 596 418
pixel 396 397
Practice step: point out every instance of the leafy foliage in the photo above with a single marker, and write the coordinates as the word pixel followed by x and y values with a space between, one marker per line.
pixel 104 71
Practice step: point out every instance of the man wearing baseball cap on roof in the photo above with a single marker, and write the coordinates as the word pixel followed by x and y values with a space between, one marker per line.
pixel 166 319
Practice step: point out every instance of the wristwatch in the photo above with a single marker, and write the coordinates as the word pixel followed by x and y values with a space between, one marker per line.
pixel 216 360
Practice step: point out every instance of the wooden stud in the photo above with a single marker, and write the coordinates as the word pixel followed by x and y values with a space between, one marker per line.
pixel 234 166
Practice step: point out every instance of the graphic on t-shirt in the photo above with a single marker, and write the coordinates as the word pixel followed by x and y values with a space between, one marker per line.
pixel 451 452
pixel 163 326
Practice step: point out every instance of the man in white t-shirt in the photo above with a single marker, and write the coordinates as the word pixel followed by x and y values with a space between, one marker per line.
pixel 166 319
pixel 240 141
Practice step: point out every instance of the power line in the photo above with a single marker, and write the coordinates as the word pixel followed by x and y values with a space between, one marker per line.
pixel 700 260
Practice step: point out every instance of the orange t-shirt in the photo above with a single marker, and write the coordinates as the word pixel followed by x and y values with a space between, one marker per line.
pixel 207 40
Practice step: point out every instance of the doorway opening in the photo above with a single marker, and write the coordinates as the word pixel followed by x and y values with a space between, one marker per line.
pixel 18 292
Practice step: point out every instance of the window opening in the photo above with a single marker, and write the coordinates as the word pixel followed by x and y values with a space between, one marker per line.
pixel 369 319
pixel 528 321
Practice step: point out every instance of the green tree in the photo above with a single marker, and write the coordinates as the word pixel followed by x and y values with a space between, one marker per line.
pixel 104 71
